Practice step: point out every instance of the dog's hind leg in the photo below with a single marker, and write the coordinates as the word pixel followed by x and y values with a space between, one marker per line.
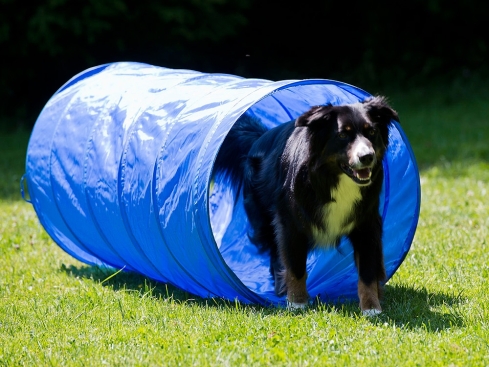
pixel 278 272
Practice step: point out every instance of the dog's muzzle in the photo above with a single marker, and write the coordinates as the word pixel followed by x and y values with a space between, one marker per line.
pixel 361 176
pixel 361 162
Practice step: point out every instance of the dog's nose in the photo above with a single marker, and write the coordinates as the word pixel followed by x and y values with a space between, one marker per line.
pixel 366 159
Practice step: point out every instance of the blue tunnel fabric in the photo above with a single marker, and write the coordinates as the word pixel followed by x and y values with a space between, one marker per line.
pixel 119 170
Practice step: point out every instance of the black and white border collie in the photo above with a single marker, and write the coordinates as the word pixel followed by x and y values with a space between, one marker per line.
pixel 308 182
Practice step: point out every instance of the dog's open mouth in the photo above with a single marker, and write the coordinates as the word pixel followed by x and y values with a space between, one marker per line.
pixel 361 176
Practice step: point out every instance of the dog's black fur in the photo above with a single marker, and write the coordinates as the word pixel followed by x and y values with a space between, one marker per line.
pixel 310 181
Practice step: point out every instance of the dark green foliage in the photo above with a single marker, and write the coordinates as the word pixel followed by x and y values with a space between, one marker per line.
pixel 45 43
pixel 369 44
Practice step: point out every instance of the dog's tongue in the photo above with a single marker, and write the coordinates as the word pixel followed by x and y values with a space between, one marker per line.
pixel 363 173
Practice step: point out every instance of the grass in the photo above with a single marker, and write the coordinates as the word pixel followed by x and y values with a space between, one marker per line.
pixel 55 311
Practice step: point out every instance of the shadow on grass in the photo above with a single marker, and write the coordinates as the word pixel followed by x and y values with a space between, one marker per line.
pixel 405 307
pixel 128 281
pixel 139 284
pixel 408 308
pixel 417 308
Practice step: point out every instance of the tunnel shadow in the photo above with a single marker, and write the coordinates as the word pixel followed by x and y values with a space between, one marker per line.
pixel 142 286
pixel 120 280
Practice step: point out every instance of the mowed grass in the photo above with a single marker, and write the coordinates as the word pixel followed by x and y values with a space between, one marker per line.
pixel 55 311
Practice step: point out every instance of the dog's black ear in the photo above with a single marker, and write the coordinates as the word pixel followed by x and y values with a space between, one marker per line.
pixel 379 110
pixel 314 115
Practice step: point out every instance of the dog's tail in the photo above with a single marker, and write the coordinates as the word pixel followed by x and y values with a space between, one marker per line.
pixel 230 160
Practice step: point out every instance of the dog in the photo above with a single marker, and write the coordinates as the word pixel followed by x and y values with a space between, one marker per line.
pixel 307 183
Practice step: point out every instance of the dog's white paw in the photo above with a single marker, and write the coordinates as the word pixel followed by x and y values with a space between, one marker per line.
pixel 371 312
pixel 294 306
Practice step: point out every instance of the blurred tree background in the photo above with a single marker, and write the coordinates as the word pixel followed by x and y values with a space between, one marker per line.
pixel 368 44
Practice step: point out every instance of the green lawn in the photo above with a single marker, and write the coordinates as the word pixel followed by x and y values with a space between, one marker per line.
pixel 55 311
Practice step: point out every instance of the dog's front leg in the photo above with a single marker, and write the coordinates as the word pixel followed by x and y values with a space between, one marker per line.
pixel 293 247
pixel 297 296
pixel 367 245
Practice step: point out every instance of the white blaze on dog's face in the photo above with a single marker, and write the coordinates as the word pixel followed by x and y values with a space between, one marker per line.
pixel 359 137
pixel 362 153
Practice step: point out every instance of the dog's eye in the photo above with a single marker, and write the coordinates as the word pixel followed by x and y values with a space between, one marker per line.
pixel 342 135
pixel 372 132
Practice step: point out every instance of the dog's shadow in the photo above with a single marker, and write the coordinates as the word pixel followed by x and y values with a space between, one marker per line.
pixel 418 308
pixel 405 307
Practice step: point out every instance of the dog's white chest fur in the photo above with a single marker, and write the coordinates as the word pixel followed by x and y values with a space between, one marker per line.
pixel 337 214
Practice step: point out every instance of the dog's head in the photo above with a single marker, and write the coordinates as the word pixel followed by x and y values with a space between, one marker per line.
pixel 349 138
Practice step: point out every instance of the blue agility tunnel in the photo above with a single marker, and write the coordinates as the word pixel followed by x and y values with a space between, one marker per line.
pixel 119 169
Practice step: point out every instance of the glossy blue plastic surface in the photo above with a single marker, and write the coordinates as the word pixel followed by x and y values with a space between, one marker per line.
pixel 119 170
